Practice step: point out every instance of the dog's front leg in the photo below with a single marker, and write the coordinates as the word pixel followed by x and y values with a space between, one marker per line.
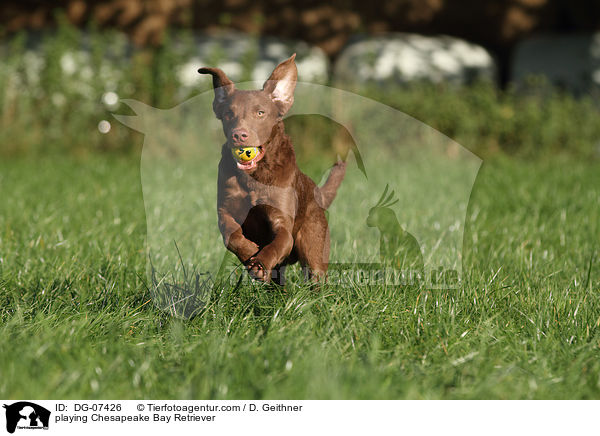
pixel 234 239
pixel 277 251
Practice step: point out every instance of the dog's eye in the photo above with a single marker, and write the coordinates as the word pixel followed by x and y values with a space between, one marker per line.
pixel 228 116
pixel 260 113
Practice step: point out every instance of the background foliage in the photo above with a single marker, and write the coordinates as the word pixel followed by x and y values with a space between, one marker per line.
pixel 53 94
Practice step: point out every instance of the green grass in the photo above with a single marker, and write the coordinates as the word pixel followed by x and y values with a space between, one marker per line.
pixel 77 320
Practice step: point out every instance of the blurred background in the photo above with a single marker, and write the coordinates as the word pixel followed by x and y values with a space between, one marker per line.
pixel 489 73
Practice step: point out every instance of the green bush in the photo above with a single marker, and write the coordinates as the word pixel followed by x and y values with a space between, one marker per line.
pixel 51 100
pixel 536 122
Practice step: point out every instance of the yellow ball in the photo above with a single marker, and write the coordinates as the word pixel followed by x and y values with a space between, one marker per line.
pixel 244 154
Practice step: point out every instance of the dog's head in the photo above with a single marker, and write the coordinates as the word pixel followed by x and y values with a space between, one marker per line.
pixel 249 117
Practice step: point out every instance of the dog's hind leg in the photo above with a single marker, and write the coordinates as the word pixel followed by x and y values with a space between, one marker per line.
pixel 312 245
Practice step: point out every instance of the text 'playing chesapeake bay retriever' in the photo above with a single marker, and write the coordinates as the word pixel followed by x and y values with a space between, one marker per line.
pixel 270 213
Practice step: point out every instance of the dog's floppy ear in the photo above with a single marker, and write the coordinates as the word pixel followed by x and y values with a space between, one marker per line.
pixel 223 86
pixel 282 83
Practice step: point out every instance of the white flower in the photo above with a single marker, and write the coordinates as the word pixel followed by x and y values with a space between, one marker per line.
pixel 233 69
pixel 104 126
pixel 276 50
pixel 33 63
pixel 313 68
pixel 110 99
pixel 188 73
pixel 68 64
pixel 262 70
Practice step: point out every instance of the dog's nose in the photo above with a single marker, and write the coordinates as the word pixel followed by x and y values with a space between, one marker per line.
pixel 239 135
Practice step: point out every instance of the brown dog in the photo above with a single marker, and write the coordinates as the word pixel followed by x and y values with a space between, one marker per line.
pixel 270 213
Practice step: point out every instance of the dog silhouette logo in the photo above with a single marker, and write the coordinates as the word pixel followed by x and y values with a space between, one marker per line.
pixel 418 239
pixel 26 415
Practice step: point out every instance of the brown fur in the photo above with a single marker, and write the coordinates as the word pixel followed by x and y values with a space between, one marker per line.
pixel 270 215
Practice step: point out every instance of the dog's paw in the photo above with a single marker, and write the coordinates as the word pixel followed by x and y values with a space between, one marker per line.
pixel 257 270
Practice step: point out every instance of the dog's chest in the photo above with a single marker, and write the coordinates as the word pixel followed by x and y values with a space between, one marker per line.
pixel 253 193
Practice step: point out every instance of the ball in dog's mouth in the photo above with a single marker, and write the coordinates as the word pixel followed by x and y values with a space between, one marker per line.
pixel 247 157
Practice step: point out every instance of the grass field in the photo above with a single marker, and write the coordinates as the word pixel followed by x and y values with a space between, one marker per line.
pixel 77 317
pixel 77 320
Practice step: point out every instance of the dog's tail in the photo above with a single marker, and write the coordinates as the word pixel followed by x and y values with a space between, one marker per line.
pixel 326 193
